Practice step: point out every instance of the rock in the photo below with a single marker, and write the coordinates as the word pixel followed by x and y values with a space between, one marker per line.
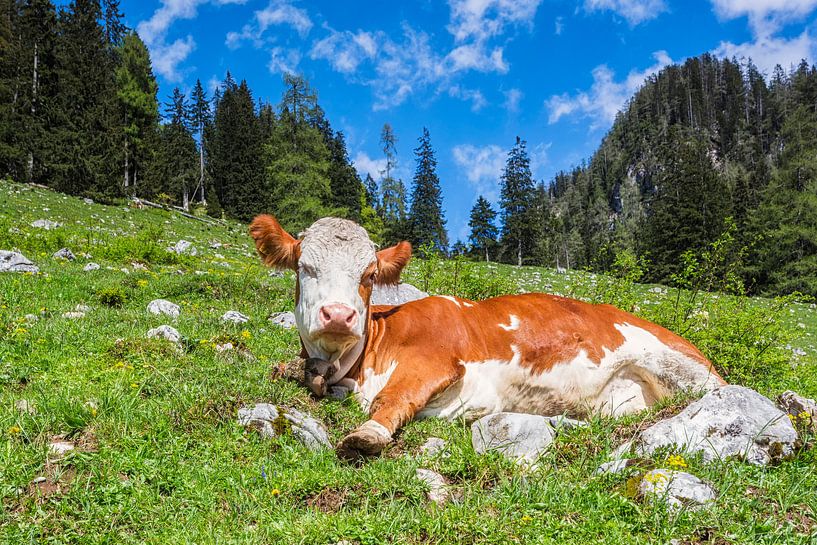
pixel 16 262
pixel 520 437
pixel 270 421
pixel 86 200
pixel 73 315
pixel 136 266
pixel 216 245
pixel 91 267
pixel 615 466
pixel 45 224
pixel 802 410
pixel 163 306
pixel 183 247
pixel 676 488
pixel 224 347
pixel 25 406
pixel 558 422
pixel 60 448
pixel 437 491
pixel 31 318
pixel 64 253
pixel 283 319
pixel 276 274
pixel 165 332
pixel 38 480
pixel 235 317
pixel 396 295
pixel 726 422
pixel 434 446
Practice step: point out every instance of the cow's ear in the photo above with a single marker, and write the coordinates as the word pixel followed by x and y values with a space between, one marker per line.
pixel 276 247
pixel 390 263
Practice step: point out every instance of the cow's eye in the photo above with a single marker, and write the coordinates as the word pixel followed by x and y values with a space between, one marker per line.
pixel 308 270
pixel 367 279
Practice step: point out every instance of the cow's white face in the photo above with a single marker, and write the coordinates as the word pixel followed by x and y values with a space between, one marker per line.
pixel 337 266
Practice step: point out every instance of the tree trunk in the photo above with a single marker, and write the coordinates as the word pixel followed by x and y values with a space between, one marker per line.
pixel 201 167
pixel 127 165
pixel 34 85
pixel 185 199
pixel 519 253
pixel 487 260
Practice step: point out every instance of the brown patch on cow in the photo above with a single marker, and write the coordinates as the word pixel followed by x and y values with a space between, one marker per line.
pixel 276 247
pixel 328 500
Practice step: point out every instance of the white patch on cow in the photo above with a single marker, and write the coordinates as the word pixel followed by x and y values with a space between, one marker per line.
pixel 467 304
pixel 626 380
pixel 376 427
pixel 452 299
pixel 372 384
pixel 513 325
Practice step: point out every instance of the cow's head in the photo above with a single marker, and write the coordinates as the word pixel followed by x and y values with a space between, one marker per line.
pixel 337 266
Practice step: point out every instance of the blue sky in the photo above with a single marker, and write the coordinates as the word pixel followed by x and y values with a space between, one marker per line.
pixel 476 73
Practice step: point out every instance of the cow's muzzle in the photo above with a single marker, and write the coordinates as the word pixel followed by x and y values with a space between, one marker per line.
pixel 337 319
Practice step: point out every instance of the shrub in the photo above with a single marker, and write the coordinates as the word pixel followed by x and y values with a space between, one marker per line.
pixel 113 296
pixel 457 276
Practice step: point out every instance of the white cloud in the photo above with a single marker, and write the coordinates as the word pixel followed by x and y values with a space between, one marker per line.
pixel 366 165
pixel 167 57
pixel 475 57
pixel 765 16
pixel 512 99
pixel 766 52
pixel 474 96
pixel 346 50
pixel 539 158
pixel 284 61
pixel 277 12
pixel 482 167
pixel 605 97
pixel 635 11
pixel 559 26
pixel 482 19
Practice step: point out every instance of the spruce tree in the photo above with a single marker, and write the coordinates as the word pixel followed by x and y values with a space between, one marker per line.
pixel 484 232
pixel 426 219
pixel 518 221
pixel 344 182
pixel 201 118
pixel 180 149
pixel 392 190
pixel 372 192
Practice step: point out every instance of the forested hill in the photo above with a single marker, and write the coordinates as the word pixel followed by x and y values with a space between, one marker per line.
pixel 704 148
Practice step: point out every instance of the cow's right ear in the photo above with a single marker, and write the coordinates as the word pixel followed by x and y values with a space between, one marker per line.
pixel 276 247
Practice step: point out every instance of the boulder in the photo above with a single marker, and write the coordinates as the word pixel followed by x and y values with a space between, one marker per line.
pixel 802 411
pixel 16 262
pixel 163 306
pixel 45 224
pixel 675 488
pixel 519 437
pixel 283 319
pixel 731 421
pixel 165 332
pixel 235 317
pixel 437 490
pixel 183 247
pixel 86 200
pixel 396 295
pixel 91 267
pixel 271 421
pixel 64 253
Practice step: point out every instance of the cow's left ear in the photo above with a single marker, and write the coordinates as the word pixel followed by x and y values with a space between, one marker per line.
pixel 390 263
pixel 276 247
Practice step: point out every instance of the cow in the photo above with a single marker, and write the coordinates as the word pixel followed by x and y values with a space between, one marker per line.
pixel 453 358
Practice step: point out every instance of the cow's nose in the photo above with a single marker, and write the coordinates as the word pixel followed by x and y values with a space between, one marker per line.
pixel 337 317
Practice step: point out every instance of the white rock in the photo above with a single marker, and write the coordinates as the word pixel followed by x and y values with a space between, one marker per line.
pixel 136 266
pixel 165 332
pixel 183 247
pixel 224 347
pixel 64 253
pixel 802 409
pixel 31 318
pixel 25 406
pixel 676 488
pixel 434 446
pixel 16 262
pixel 60 448
pixel 283 319
pixel 437 491
pixel 614 466
pixel 91 267
pixel 731 421
pixel 45 224
pixel 82 308
pixel 86 200
pixel 235 317
pixel 396 295
pixel 520 437
pixel 262 417
pixel 73 315
pixel 163 306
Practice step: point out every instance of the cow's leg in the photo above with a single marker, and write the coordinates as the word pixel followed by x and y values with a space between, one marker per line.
pixel 408 390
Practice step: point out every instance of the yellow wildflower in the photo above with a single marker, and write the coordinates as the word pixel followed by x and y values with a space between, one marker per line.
pixel 246 334
pixel 134 385
pixel 275 492
pixel 655 478
pixel 14 429
pixel 676 461
pixel 526 519
pixel 142 283
pixel 805 415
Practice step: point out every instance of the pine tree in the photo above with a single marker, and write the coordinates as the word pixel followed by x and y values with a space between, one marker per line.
pixel 372 192
pixel 426 218
pixel 484 232
pixel 180 148
pixel 9 152
pixel 136 90
pixel 518 221
pixel 392 191
pixel 344 182
pixel 201 118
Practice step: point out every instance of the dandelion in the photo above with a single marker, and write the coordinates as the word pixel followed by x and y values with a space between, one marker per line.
pixel 246 334
pixel 14 430
pixel 142 283
pixel 526 519
pixel 275 492
pixel 134 385
pixel 676 461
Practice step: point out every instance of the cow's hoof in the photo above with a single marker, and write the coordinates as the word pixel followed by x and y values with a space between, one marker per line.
pixel 368 440
pixel 317 373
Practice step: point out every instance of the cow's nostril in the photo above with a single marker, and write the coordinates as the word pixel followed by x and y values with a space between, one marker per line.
pixel 325 315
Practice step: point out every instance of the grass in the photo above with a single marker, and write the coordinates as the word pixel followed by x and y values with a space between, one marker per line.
pixel 160 457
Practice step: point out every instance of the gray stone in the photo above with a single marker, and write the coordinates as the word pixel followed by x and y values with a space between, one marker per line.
pixel 163 306
pixel 91 267
pixel 86 200
pixel 731 421
pixel 434 446
pixel 802 410
pixel 283 319
pixel 276 274
pixel 82 308
pixel 73 315
pixel 136 266
pixel 559 422
pixel 165 332
pixel 235 317
pixel 16 262
pixel 25 406
pixel 183 247
pixel 267 418
pixel 31 318
pixel 396 295
pixel 615 466
pixel 45 224
pixel 64 253
pixel 60 448
pixel 437 490
pixel 676 488
pixel 520 437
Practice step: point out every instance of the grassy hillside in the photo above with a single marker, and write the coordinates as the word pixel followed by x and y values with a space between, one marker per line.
pixel 160 457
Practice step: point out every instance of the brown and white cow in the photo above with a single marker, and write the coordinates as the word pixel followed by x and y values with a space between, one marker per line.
pixel 448 357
